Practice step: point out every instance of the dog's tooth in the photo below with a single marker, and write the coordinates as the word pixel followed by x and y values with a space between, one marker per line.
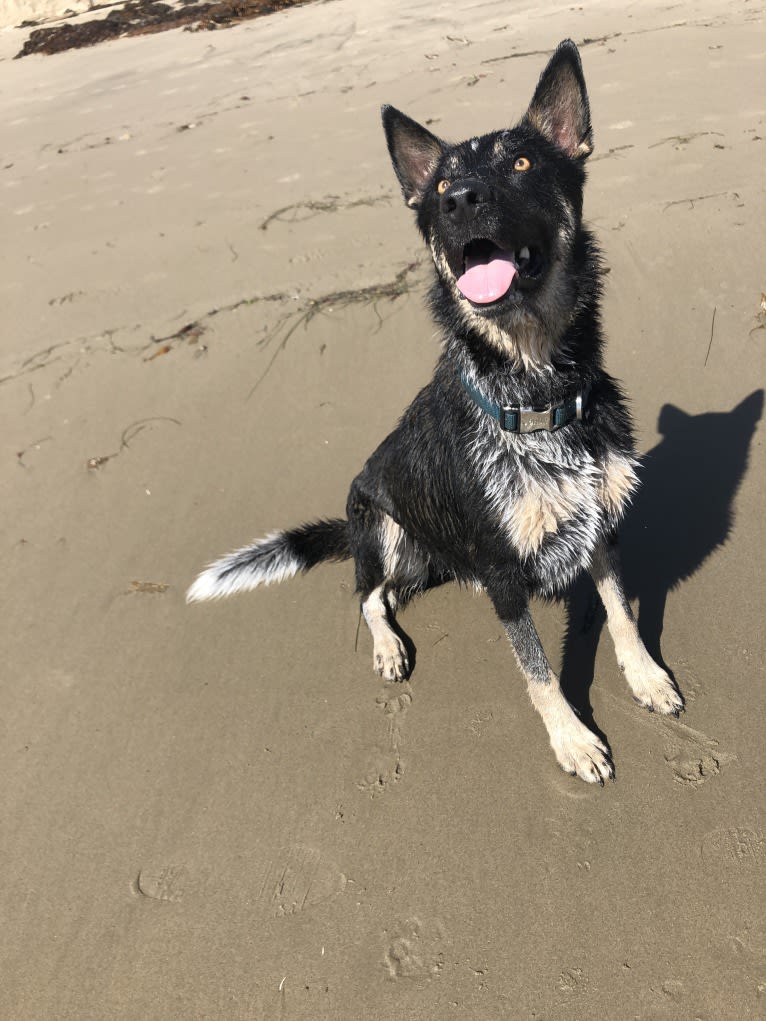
pixel 524 254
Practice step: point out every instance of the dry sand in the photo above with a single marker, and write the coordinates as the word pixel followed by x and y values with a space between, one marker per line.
pixel 217 811
pixel 13 12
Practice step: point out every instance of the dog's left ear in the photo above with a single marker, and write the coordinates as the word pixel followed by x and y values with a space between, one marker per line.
pixel 559 109
pixel 414 153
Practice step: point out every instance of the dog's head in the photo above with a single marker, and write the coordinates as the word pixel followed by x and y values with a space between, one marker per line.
pixel 501 213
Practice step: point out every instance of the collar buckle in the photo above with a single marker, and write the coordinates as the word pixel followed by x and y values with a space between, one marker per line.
pixel 532 420
pixel 516 419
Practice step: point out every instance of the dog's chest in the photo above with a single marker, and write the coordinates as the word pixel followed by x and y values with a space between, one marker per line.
pixel 545 495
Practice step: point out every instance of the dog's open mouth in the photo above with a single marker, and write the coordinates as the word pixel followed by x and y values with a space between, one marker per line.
pixel 490 272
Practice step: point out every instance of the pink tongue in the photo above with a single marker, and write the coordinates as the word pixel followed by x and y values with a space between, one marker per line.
pixel 484 282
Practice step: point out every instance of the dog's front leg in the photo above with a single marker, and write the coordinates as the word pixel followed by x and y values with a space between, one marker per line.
pixel 389 654
pixel 650 684
pixel 577 749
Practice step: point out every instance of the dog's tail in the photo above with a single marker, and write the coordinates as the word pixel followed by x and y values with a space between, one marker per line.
pixel 278 556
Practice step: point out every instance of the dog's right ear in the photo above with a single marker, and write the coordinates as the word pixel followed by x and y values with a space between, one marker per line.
pixel 414 151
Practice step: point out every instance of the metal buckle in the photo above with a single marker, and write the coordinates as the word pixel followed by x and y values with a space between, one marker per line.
pixel 532 420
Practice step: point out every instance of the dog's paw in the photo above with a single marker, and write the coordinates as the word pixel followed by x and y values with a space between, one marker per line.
pixel 580 753
pixel 654 690
pixel 389 657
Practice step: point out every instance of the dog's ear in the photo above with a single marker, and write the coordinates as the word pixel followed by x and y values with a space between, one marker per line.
pixel 671 419
pixel 414 153
pixel 751 408
pixel 559 109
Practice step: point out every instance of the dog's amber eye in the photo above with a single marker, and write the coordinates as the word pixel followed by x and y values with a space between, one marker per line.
pixel 442 186
pixel 522 164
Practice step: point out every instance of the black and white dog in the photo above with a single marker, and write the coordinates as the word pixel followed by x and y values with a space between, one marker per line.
pixel 511 469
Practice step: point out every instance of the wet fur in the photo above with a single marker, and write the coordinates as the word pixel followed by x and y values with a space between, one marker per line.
pixel 449 495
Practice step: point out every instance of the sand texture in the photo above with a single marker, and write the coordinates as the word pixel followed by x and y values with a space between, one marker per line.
pixel 213 311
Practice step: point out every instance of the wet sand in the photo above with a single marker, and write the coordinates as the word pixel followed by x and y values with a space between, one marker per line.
pixel 213 307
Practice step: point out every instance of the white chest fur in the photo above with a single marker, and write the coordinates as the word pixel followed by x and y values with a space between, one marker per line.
pixel 553 499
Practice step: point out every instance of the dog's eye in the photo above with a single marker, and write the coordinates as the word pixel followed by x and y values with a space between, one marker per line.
pixel 522 164
pixel 442 186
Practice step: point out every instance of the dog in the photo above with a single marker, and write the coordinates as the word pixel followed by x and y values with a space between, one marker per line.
pixel 512 468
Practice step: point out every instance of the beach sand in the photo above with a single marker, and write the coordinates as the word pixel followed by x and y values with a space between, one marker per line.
pixel 213 312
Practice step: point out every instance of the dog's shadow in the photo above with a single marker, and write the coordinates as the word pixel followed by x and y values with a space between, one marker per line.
pixel 682 513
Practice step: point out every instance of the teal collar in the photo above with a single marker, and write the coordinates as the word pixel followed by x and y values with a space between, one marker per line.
pixel 516 419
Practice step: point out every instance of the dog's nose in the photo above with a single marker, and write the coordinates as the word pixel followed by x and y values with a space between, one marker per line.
pixel 462 199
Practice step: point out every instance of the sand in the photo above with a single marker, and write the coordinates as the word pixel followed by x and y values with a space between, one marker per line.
pixel 218 811
pixel 13 12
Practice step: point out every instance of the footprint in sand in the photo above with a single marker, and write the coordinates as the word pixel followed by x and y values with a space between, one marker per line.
pixel 735 846
pixel 572 980
pixel 299 877
pixel 165 882
pixel 693 756
pixel 415 950
pixel 384 766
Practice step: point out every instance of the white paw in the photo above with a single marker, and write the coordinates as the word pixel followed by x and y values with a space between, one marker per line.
pixel 581 753
pixel 389 657
pixel 654 690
